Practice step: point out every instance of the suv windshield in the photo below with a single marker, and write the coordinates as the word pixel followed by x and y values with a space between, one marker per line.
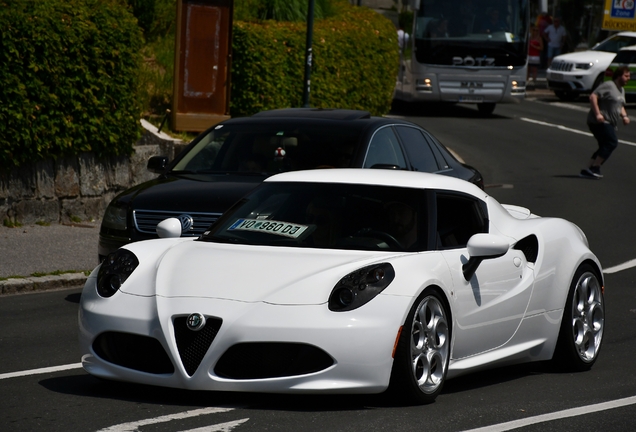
pixel 329 216
pixel 615 43
pixel 270 148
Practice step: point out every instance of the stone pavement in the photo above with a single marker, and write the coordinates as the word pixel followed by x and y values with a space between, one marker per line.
pixel 36 258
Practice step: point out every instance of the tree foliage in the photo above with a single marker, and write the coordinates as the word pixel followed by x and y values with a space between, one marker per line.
pixel 68 79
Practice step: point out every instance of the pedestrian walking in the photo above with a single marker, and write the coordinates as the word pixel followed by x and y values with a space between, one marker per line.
pixel 607 108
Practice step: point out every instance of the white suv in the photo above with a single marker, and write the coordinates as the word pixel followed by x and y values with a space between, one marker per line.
pixel 581 72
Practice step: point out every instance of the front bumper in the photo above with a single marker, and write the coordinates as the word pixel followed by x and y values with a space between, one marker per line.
pixel 360 342
pixel 572 82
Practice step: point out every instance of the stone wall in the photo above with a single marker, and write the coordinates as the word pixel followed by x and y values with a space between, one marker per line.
pixel 79 188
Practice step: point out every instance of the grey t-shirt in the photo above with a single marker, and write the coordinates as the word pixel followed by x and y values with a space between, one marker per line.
pixel 610 102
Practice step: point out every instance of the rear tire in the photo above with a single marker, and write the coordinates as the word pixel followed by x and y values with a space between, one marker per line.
pixel 583 322
pixel 421 359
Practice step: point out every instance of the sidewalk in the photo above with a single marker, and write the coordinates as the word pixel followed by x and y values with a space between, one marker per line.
pixel 32 256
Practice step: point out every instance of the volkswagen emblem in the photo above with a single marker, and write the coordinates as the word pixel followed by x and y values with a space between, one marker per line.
pixel 195 322
pixel 186 222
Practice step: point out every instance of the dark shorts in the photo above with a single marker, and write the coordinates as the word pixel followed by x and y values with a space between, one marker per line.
pixel 605 134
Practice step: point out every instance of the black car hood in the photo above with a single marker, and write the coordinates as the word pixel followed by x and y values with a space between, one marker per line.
pixel 192 192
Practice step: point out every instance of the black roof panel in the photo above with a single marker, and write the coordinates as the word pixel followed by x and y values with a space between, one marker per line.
pixel 317 113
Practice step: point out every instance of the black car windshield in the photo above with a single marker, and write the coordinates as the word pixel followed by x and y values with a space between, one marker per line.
pixel 270 148
pixel 330 216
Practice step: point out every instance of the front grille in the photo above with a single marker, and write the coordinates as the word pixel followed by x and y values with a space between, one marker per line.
pixel 146 220
pixel 561 66
pixel 193 345
pixel 260 360
pixel 133 351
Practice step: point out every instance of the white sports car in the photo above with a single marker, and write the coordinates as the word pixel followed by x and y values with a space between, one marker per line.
pixel 346 281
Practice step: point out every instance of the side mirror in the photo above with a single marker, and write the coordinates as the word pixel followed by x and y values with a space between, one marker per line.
pixel 481 247
pixel 157 164
pixel 169 228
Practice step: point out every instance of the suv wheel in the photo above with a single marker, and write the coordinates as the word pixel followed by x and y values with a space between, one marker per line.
pixel 566 95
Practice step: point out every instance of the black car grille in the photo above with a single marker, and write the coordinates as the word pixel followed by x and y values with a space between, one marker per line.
pixel 561 66
pixel 259 360
pixel 193 345
pixel 132 351
pixel 146 220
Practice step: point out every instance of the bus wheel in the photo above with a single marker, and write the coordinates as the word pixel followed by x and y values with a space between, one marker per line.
pixel 486 108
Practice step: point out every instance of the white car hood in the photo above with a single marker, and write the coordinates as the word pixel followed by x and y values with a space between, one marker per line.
pixel 278 275
pixel 600 57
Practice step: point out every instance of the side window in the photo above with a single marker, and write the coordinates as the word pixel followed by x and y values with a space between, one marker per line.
pixel 419 152
pixel 435 145
pixel 459 217
pixel 384 149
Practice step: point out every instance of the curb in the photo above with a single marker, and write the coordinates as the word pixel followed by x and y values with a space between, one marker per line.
pixel 42 283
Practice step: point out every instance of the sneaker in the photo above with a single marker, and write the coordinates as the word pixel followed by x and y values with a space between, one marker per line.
pixel 596 171
pixel 592 172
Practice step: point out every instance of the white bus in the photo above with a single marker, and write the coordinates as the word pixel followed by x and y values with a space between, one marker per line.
pixel 469 51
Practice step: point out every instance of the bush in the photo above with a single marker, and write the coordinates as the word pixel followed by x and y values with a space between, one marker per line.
pixel 355 61
pixel 68 79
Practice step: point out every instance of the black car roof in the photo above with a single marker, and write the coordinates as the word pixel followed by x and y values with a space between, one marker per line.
pixel 316 113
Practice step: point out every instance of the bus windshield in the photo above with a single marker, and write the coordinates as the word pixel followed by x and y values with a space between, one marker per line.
pixel 446 32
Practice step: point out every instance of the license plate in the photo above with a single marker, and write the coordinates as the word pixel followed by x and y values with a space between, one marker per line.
pixel 284 229
pixel 556 76
pixel 471 99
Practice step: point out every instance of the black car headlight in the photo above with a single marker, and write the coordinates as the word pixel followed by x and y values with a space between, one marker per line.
pixel 114 271
pixel 115 218
pixel 361 286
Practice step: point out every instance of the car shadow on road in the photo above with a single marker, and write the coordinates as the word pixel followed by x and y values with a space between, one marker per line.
pixel 85 385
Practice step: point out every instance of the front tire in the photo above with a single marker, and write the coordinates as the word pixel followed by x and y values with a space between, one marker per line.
pixel 421 359
pixel 566 96
pixel 583 322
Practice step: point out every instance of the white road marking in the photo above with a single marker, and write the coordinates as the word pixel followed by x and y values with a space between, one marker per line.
pixel 134 426
pixel 40 371
pixel 565 128
pixel 621 267
pixel 221 427
pixel 588 409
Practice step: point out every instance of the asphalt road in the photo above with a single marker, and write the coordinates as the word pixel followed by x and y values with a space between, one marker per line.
pixel 530 155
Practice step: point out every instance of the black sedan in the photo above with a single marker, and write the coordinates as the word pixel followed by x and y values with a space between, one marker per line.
pixel 233 157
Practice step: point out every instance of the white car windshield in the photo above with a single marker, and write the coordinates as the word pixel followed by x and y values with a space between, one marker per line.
pixel 615 43
pixel 328 216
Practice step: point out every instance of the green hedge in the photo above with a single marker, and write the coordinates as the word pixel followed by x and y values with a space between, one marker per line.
pixel 355 62
pixel 68 79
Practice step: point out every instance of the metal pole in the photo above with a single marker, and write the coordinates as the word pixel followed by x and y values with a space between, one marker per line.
pixel 308 53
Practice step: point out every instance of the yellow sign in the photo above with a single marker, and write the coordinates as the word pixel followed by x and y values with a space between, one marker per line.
pixel 619 15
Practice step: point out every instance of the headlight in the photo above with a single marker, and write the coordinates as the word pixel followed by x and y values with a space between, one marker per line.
pixel 359 287
pixel 114 271
pixel 115 218
pixel 584 66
